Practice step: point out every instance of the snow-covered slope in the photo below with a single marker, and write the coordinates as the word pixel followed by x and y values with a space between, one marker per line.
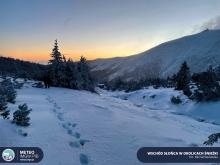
pixel 199 50
pixel 160 100
pixel 78 127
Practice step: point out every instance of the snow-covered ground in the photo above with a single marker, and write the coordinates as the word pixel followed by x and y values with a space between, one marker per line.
pixel 79 127
pixel 159 99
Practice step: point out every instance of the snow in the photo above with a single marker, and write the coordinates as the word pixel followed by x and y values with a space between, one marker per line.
pixel 159 99
pixel 79 127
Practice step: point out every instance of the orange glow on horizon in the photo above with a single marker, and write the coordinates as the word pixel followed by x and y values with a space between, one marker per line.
pixel 43 56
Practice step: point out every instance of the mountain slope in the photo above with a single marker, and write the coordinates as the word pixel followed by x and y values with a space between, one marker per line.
pixel 20 68
pixel 199 50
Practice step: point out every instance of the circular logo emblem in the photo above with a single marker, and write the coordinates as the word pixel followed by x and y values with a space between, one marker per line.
pixel 8 155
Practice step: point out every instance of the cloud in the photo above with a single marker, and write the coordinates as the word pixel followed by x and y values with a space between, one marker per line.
pixel 211 24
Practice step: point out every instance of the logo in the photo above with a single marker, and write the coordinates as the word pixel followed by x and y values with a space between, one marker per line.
pixel 8 155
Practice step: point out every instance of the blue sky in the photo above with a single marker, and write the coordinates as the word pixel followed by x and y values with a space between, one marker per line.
pixel 97 28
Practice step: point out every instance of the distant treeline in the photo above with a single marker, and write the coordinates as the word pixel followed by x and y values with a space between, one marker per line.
pixel 23 69
pixel 119 84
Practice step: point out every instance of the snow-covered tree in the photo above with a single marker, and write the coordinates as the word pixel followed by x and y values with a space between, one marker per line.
pixel 56 66
pixel 207 84
pixel 217 72
pixel 213 138
pixel 85 80
pixel 71 74
pixel 55 55
pixel 66 73
pixel 3 108
pixel 183 79
pixel 20 116
pixel 7 90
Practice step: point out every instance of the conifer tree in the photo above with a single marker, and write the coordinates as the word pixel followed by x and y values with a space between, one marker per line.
pixel 183 79
pixel 208 85
pixel 3 108
pixel 217 72
pixel 56 66
pixel 66 73
pixel 55 55
pixel 85 79
pixel 20 117
pixel 7 90
pixel 71 74
pixel 213 138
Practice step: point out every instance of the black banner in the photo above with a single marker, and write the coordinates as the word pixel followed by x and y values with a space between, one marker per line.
pixel 179 154
pixel 20 154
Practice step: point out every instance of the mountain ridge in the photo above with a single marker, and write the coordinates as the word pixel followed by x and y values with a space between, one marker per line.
pixel 199 50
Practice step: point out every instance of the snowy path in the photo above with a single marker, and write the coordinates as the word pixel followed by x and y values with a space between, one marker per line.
pixel 77 142
pixel 80 128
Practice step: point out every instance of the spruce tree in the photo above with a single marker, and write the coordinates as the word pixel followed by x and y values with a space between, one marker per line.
pixel 55 55
pixel 56 66
pixel 7 90
pixel 217 72
pixel 183 78
pixel 213 138
pixel 208 86
pixel 71 74
pixel 66 73
pixel 85 80
pixel 3 108
pixel 20 117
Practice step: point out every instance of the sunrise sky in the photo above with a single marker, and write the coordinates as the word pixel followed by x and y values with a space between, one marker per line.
pixel 97 28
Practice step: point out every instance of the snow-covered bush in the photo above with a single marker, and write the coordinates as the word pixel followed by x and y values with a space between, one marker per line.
pixel 18 85
pixel 208 86
pixel 213 138
pixel 153 96
pixel 20 117
pixel 175 100
pixel 22 133
pixel 3 108
pixel 38 85
pixel 7 90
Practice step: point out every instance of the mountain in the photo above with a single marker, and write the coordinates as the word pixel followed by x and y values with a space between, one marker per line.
pixel 199 50
pixel 18 68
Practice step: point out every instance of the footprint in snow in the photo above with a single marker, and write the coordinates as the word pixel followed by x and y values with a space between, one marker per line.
pixel 69 125
pixel 74 125
pixel 54 110
pixel 76 134
pixel 83 142
pixel 69 131
pixel 74 144
pixel 56 106
pixel 60 116
pixel 64 126
pixel 49 99
pixel 83 159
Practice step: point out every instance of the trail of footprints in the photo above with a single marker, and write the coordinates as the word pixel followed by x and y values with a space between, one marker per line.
pixel 69 127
